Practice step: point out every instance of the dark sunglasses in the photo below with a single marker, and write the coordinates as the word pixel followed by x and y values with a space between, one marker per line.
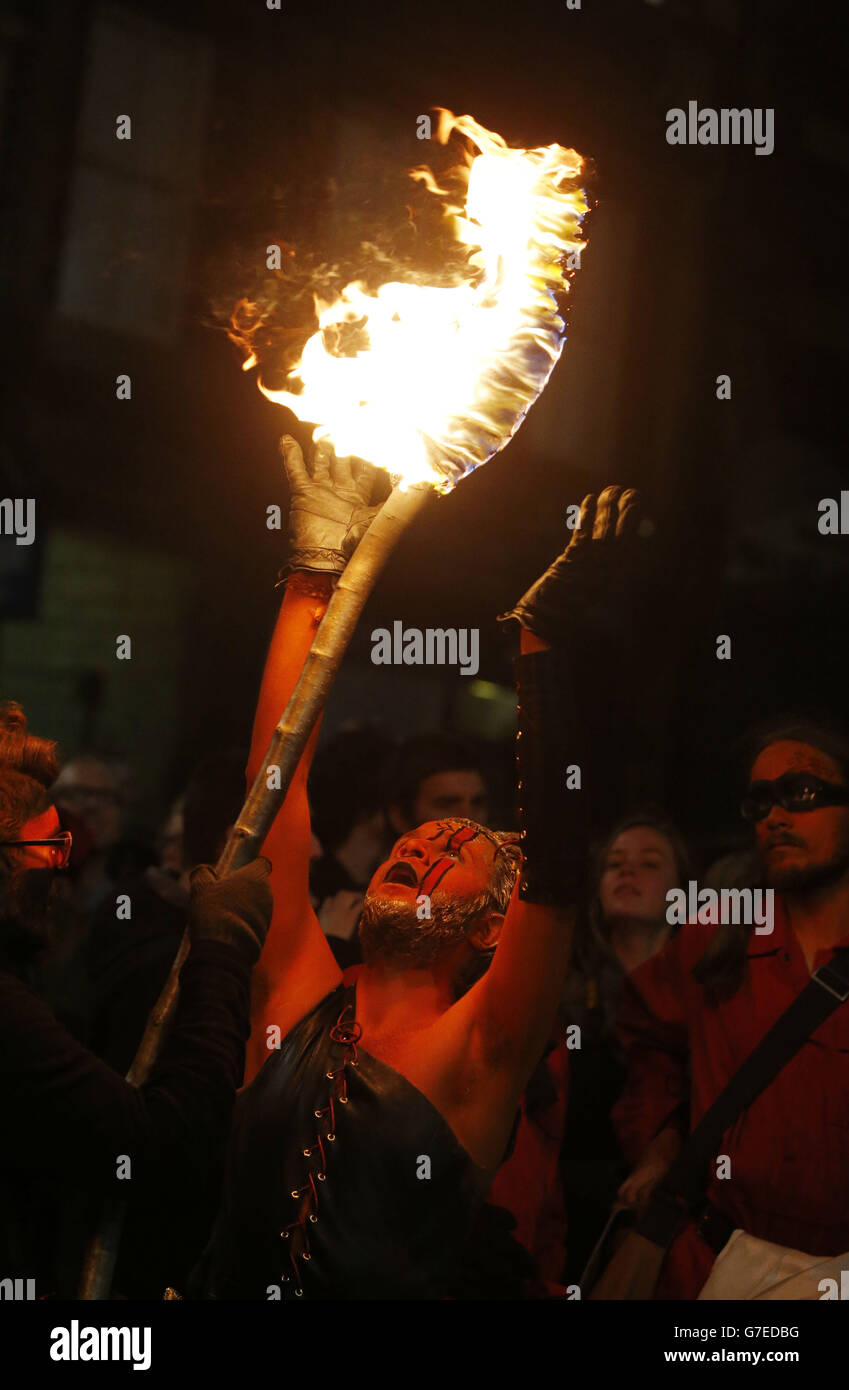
pixel 60 847
pixel 795 791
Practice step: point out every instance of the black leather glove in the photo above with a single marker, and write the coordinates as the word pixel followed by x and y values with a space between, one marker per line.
pixel 235 909
pixel 591 587
pixel 328 510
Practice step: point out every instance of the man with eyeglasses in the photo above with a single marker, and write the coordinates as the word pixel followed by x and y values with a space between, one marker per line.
pixel 693 1013
pixel 51 847
pixel 68 1117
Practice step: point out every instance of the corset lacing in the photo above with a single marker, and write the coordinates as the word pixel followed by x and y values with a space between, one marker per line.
pixel 346 1033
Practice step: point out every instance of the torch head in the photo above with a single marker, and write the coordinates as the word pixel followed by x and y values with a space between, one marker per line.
pixel 427 380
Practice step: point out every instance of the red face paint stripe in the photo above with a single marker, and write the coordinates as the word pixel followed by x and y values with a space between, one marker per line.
pixel 462 837
pixel 435 875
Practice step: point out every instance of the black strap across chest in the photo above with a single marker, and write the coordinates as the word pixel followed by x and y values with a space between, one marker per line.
pixel 685 1183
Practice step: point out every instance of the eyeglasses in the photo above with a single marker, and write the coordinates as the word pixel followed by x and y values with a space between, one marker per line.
pixel 59 848
pixel 795 791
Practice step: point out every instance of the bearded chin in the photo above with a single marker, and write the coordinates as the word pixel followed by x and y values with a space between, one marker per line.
pixel 392 933
pixel 809 877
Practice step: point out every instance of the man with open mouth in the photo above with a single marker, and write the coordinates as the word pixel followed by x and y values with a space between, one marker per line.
pixel 378 1112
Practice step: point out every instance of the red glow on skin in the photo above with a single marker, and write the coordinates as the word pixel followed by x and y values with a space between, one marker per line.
pixel 40 827
pixel 802 839
pixel 435 874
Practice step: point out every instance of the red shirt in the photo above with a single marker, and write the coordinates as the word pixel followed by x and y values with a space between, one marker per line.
pixel 789 1152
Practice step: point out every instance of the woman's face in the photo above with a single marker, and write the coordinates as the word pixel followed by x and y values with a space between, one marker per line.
pixel 637 873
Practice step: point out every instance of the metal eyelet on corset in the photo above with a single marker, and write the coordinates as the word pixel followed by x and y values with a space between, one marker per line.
pixel 347 1034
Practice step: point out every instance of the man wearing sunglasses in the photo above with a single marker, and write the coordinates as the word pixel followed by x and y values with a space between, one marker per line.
pixel 797 803
pixel 692 1014
pixel 68 1117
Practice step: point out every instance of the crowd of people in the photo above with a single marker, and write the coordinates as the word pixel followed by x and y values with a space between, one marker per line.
pixel 417 1055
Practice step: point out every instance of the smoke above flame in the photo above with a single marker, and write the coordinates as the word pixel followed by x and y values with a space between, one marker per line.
pixel 428 381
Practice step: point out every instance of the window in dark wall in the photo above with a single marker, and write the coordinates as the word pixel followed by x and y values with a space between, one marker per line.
pixel 130 207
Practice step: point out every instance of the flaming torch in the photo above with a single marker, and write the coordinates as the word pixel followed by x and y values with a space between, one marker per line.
pixel 440 380
pixel 446 375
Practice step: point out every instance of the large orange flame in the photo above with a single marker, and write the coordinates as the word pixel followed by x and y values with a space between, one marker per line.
pixel 446 375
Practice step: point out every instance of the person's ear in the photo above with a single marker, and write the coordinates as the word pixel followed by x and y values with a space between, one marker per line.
pixel 487 931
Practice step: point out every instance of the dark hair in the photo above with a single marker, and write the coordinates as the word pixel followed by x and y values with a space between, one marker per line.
pixel 495 897
pixel 37 758
pixel 28 767
pixel 346 783
pixel 423 757
pixel 720 967
pixel 214 798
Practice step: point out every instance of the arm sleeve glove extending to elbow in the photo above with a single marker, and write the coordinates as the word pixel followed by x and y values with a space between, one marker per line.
pixel 573 734
pixel 574 709
pixel 552 824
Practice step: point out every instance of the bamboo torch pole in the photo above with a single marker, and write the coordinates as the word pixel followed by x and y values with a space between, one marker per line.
pixel 263 802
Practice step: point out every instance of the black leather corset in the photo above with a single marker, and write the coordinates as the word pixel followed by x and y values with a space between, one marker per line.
pixel 343 1180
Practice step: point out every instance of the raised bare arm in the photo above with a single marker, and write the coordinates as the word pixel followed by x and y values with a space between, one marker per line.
pixel 327 516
